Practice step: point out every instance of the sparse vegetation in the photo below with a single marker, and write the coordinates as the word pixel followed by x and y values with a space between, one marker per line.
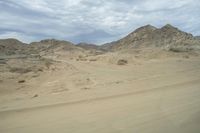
pixel 180 49
pixel 80 56
pixel 47 62
pixel 93 60
pixel 86 88
pixel 175 50
pixel 83 59
pixel 186 56
pixel 2 61
pixel 36 95
pixel 40 69
pixel 20 70
pixel 122 62
pixel 21 81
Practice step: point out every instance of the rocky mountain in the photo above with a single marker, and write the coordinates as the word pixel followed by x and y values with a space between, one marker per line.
pixel 167 37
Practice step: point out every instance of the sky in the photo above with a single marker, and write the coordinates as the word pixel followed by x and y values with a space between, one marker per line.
pixel 93 21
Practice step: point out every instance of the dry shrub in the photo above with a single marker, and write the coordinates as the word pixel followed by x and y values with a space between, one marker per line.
pixel 40 69
pixel 21 81
pixel 86 88
pixel 180 49
pixel 122 62
pixel 2 61
pixel 93 60
pixel 47 62
pixel 186 56
pixel 36 95
pixel 83 59
pixel 20 70
pixel 175 50
pixel 80 56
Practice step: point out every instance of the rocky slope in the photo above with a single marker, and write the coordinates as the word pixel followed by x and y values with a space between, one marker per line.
pixel 15 47
pixel 167 37
pixel 52 46
pixel 12 46
pixel 20 58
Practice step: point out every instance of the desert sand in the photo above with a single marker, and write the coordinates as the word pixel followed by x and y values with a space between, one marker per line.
pixel 95 94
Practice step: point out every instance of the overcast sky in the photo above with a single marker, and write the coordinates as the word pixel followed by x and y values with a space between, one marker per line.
pixel 93 21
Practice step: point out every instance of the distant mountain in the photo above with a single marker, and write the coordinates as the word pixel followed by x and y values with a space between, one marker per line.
pixel 88 46
pixel 197 37
pixel 167 37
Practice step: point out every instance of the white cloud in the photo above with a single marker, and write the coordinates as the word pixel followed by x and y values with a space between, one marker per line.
pixel 75 20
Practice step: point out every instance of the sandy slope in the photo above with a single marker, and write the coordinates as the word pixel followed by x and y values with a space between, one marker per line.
pixel 145 96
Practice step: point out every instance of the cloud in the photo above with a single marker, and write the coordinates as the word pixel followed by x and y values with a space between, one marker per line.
pixel 92 21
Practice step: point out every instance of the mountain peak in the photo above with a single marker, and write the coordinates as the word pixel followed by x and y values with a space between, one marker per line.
pixel 145 28
pixel 168 26
pixel 11 40
pixel 149 26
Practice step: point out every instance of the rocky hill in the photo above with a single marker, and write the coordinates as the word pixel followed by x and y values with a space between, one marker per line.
pixel 12 46
pixel 53 45
pixel 167 37
pixel 15 47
